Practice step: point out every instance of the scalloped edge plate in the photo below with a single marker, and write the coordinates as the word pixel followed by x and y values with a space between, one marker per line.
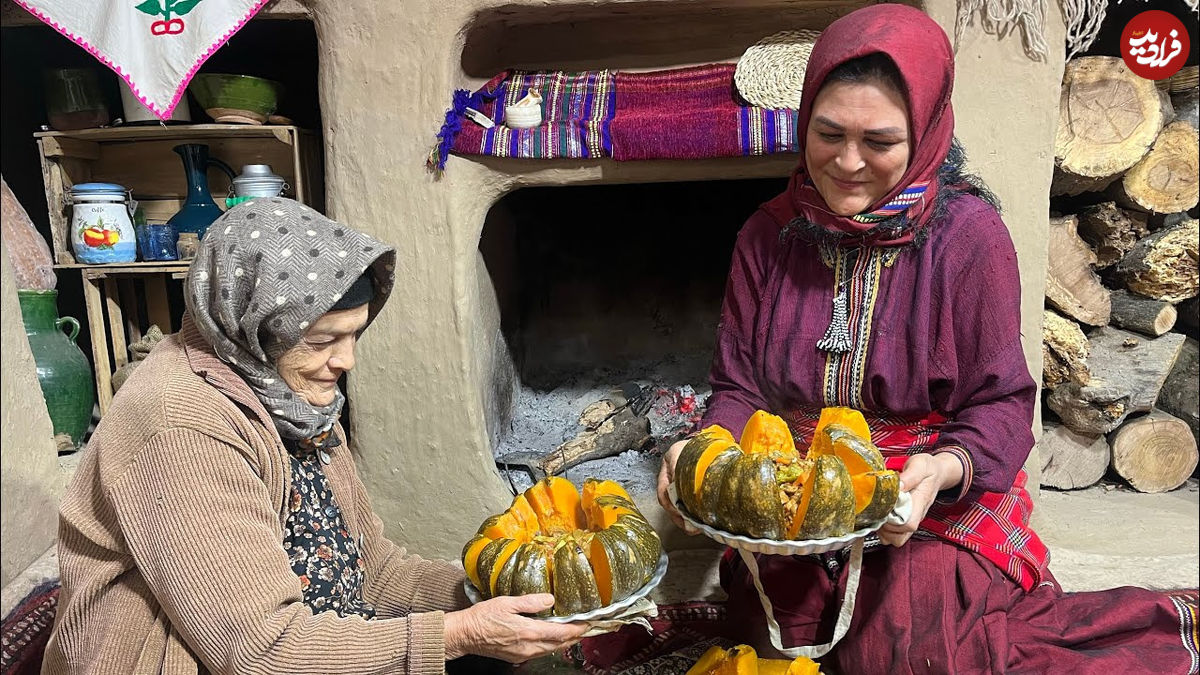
pixel 601 612
pixel 775 546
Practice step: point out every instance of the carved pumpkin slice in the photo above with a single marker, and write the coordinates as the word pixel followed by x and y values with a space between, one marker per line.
pixel 575 587
pixel 557 505
pixel 500 564
pixel 616 564
pixel 524 514
pixel 803 666
pixel 880 489
pixel 847 417
pixel 595 491
pixel 706 459
pixel 471 558
pixel 503 526
pixel 826 504
pixel 856 452
pixel 769 434
pixel 800 666
pixel 709 662
pixel 607 510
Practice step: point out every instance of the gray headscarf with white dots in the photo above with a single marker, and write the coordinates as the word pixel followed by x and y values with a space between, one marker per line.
pixel 266 270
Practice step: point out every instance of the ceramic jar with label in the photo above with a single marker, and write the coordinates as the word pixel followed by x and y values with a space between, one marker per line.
pixel 101 229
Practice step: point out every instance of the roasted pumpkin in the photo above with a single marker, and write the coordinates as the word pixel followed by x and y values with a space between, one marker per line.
pixel 590 550
pixel 763 487
pixel 743 660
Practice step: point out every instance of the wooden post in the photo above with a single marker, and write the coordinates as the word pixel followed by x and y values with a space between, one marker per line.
pixel 112 302
pixel 95 313
pixel 129 307
pixel 158 309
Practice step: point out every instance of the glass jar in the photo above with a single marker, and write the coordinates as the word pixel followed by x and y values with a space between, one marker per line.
pixel 101 231
pixel 156 241
pixel 187 245
pixel 74 99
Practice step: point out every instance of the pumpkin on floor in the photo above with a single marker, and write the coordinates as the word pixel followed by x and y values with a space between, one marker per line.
pixel 762 486
pixel 590 550
pixel 743 660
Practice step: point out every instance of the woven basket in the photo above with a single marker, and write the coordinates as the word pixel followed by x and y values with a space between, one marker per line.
pixel 771 72
pixel 1185 79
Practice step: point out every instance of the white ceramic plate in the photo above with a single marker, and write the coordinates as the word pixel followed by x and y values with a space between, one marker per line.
pixel 600 613
pixel 796 547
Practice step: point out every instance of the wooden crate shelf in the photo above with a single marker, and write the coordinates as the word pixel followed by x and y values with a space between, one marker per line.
pixel 140 159
pixel 123 299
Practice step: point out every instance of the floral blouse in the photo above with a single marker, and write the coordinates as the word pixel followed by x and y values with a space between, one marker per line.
pixel 323 554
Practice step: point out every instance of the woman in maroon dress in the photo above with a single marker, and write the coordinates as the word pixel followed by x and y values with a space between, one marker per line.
pixel 883 279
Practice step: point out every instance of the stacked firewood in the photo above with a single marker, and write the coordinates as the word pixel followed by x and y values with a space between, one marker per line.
pixel 1119 337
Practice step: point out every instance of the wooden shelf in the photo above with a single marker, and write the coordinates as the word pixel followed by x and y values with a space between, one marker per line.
pixel 151 267
pixel 166 132
pixel 141 159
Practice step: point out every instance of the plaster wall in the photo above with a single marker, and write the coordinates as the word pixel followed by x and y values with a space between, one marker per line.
pixel 426 377
pixel 31 482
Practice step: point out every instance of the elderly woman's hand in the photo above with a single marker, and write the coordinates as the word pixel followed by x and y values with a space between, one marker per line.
pixel 922 478
pixel 666 474
pixel 497 629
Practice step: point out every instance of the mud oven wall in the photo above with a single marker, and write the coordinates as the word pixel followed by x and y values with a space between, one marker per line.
pixel 433 368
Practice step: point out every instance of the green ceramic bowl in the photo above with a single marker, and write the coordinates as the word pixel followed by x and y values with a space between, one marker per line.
pixel 236 98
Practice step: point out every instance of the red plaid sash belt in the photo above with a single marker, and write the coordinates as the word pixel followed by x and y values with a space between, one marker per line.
pixel 996 526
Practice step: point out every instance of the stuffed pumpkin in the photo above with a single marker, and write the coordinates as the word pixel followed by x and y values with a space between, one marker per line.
pixel 743 660
pixel 762 486
pixel 590 550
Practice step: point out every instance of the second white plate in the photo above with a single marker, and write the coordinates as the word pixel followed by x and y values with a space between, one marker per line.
pixel 790 547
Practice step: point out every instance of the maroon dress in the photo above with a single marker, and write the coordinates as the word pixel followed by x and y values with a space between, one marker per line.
pixel 935 361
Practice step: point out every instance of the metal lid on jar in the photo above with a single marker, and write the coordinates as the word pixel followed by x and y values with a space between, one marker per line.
pixel 257 180
pixel 97 190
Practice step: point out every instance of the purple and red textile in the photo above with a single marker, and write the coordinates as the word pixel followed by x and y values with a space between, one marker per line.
pixel 996 525
pixel 927 607
pixel 685 113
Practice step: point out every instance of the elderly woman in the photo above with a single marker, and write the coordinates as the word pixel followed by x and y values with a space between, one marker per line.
pixel 217 524
pixel 883 279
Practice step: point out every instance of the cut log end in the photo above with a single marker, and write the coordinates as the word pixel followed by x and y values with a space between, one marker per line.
pixel 1111 231
pixel 1155 453
pixel 1071 461
pixel 1108 117
pixel 1167 179
pixel 1072 286
pixel 1144 315
pixel 1066 351
pixel 1163 266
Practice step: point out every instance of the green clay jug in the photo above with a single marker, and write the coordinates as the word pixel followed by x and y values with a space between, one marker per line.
pixel 63 371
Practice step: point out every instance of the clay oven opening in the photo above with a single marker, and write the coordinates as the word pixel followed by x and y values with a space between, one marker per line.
pixel 607 295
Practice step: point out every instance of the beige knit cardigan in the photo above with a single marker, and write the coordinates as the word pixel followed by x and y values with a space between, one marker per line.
pixel 170 544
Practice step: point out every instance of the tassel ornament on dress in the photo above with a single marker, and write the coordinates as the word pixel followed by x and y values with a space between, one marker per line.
pixel 837 336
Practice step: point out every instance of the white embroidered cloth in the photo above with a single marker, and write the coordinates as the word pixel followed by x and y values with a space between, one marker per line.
pixel 156 46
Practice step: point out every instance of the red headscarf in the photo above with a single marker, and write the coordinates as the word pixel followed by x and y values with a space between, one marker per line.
pixel 922 53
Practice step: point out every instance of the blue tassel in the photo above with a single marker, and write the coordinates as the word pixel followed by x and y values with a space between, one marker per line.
pixel 451 127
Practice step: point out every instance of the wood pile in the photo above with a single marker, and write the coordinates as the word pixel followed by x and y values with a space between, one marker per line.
pixel 1119 347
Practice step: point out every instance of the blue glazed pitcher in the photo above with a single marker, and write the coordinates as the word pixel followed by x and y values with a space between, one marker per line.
pixel 199 210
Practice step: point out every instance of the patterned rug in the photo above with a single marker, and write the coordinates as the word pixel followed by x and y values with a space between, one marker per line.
pixel 26 629
pixel 681 634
